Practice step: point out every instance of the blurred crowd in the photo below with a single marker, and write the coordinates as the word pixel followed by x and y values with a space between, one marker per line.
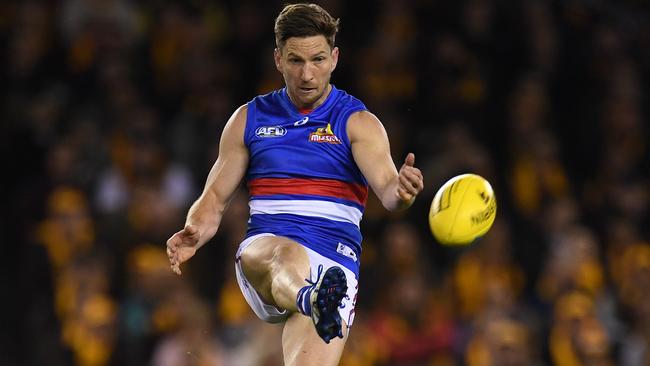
pixel 111 116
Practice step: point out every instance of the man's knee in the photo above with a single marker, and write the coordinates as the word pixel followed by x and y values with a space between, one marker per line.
pixel 266 256
pixel 289 253
pixel 275 267
pixel 255 262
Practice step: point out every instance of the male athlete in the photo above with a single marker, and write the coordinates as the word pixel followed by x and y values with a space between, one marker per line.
pixel 308 153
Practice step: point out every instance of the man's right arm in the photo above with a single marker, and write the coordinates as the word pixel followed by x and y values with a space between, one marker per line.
pixel 204 216
pixel 227 172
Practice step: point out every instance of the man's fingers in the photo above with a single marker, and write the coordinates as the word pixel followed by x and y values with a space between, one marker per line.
pixel 173 257
pixel 175 241
pixel 404 195
pixel 412 169
pixel 412 177
pixel 173 260
pixel 176 269
pixel 407 185
pixel 410 159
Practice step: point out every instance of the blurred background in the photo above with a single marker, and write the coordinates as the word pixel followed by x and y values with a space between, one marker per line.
pixel 111 118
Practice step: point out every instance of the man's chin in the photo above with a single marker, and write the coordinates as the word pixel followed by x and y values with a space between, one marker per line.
pixel 306 98
pixel 308 102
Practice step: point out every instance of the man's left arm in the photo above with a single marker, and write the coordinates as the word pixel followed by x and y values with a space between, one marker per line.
pixel 371 150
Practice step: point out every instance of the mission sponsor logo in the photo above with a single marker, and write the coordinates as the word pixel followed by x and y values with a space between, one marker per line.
pixel 270 131
pixel 324 134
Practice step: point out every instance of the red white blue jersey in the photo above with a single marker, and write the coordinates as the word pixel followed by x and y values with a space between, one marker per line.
pixel 302 178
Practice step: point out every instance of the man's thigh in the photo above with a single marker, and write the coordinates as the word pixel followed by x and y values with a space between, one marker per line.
pixel 259 256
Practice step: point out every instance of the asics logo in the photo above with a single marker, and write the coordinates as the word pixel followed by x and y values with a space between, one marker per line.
pixel 301 122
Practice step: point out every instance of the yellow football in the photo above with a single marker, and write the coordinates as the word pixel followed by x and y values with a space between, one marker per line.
pixel 462 210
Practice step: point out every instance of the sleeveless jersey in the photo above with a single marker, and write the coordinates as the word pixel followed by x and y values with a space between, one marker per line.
pixel 302 178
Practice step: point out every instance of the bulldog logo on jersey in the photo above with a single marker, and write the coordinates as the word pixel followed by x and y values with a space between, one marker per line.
pixel 324 134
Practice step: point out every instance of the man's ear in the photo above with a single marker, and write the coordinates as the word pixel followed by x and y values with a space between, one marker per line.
pixel 335 57
pixel 277 56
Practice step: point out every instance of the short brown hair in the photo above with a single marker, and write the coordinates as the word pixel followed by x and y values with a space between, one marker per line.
pixel 305 20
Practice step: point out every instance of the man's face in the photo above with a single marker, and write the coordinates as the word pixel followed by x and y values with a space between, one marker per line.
pixel 306 64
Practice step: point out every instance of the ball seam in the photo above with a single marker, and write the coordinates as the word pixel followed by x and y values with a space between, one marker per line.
pixel 453 222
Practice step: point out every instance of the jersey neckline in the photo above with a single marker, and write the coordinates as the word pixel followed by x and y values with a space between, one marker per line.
pixel 329 101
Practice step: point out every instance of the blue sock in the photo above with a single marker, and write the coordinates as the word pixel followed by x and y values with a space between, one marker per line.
pixel 303 300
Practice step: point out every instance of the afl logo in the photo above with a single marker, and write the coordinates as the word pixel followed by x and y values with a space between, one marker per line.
pixel 270 131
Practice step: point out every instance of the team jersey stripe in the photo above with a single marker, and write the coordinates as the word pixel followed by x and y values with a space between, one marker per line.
pixel 310 198
pixel 319 187
pixel 323 209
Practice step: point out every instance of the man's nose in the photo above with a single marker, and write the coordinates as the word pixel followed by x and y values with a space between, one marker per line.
pixel 307 72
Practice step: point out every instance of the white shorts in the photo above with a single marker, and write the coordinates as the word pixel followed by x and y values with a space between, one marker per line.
pixel 270 313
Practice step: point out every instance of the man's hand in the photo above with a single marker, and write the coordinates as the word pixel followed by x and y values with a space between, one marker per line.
pixel 411 181
pixel 182 246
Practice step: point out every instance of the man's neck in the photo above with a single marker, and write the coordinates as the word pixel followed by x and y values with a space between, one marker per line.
pixel 308 108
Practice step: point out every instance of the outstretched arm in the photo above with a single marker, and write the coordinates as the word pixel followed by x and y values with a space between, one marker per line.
pixel 204 216
pixel 371 151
